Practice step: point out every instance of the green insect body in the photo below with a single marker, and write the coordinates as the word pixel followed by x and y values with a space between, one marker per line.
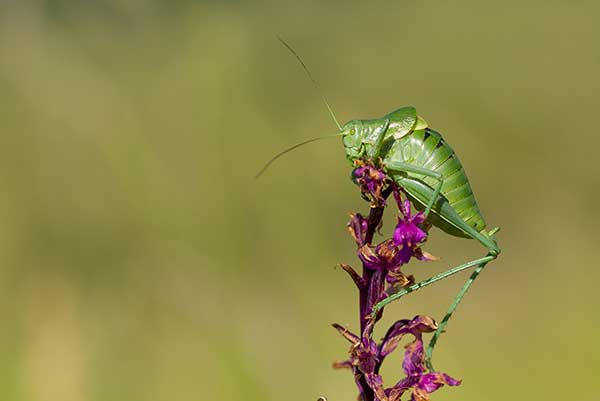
pixel 419 160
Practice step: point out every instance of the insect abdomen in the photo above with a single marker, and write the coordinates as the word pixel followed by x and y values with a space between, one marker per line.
pixel 426 148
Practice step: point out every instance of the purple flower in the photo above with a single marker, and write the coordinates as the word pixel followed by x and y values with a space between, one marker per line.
pixel 408 233
pixel 366 358
pixel 385 259
pixel 429 383
pixel 364 355
pixel 397 278
pixel 384 256
pixel 370 180
pixel 418 325
pixel 357 226
pixel 382 268
pixel 422 383
pixel 407 230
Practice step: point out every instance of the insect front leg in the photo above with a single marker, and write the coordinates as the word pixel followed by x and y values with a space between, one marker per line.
pixel 400 167
pixel 377 138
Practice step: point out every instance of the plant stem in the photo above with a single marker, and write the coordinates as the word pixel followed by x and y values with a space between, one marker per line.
pixel 375 216
pixel 374 220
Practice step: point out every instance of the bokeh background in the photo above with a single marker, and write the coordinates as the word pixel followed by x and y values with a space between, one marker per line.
pixel 139 260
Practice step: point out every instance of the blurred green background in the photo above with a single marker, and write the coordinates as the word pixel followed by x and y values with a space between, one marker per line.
pixel 139 260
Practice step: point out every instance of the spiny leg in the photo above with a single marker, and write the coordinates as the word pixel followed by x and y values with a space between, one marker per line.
pixel 493 251
pixel 431 280
pixel 449 313
pixel 480 263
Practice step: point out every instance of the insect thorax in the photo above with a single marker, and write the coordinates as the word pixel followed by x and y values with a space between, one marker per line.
pixel 360 137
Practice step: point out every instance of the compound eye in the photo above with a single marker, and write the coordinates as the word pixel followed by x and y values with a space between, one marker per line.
pixel 353 131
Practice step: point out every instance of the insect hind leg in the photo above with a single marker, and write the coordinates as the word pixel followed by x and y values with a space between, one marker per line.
pixel 426 195
pixel 444 322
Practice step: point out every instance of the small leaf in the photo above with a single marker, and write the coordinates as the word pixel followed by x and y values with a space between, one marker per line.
pixel 353 338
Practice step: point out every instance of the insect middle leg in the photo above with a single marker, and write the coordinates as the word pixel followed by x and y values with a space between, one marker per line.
pixel 379 134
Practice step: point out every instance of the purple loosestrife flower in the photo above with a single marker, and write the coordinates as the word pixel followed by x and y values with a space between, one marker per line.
pixel 371 181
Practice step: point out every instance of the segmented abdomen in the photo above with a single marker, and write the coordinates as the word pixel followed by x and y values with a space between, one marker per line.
pixel 426 148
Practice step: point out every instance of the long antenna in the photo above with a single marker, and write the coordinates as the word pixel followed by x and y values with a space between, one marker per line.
pixel 313 81
pixel 278 155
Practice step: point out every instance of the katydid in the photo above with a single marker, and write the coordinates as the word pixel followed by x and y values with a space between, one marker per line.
pixel 423 164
